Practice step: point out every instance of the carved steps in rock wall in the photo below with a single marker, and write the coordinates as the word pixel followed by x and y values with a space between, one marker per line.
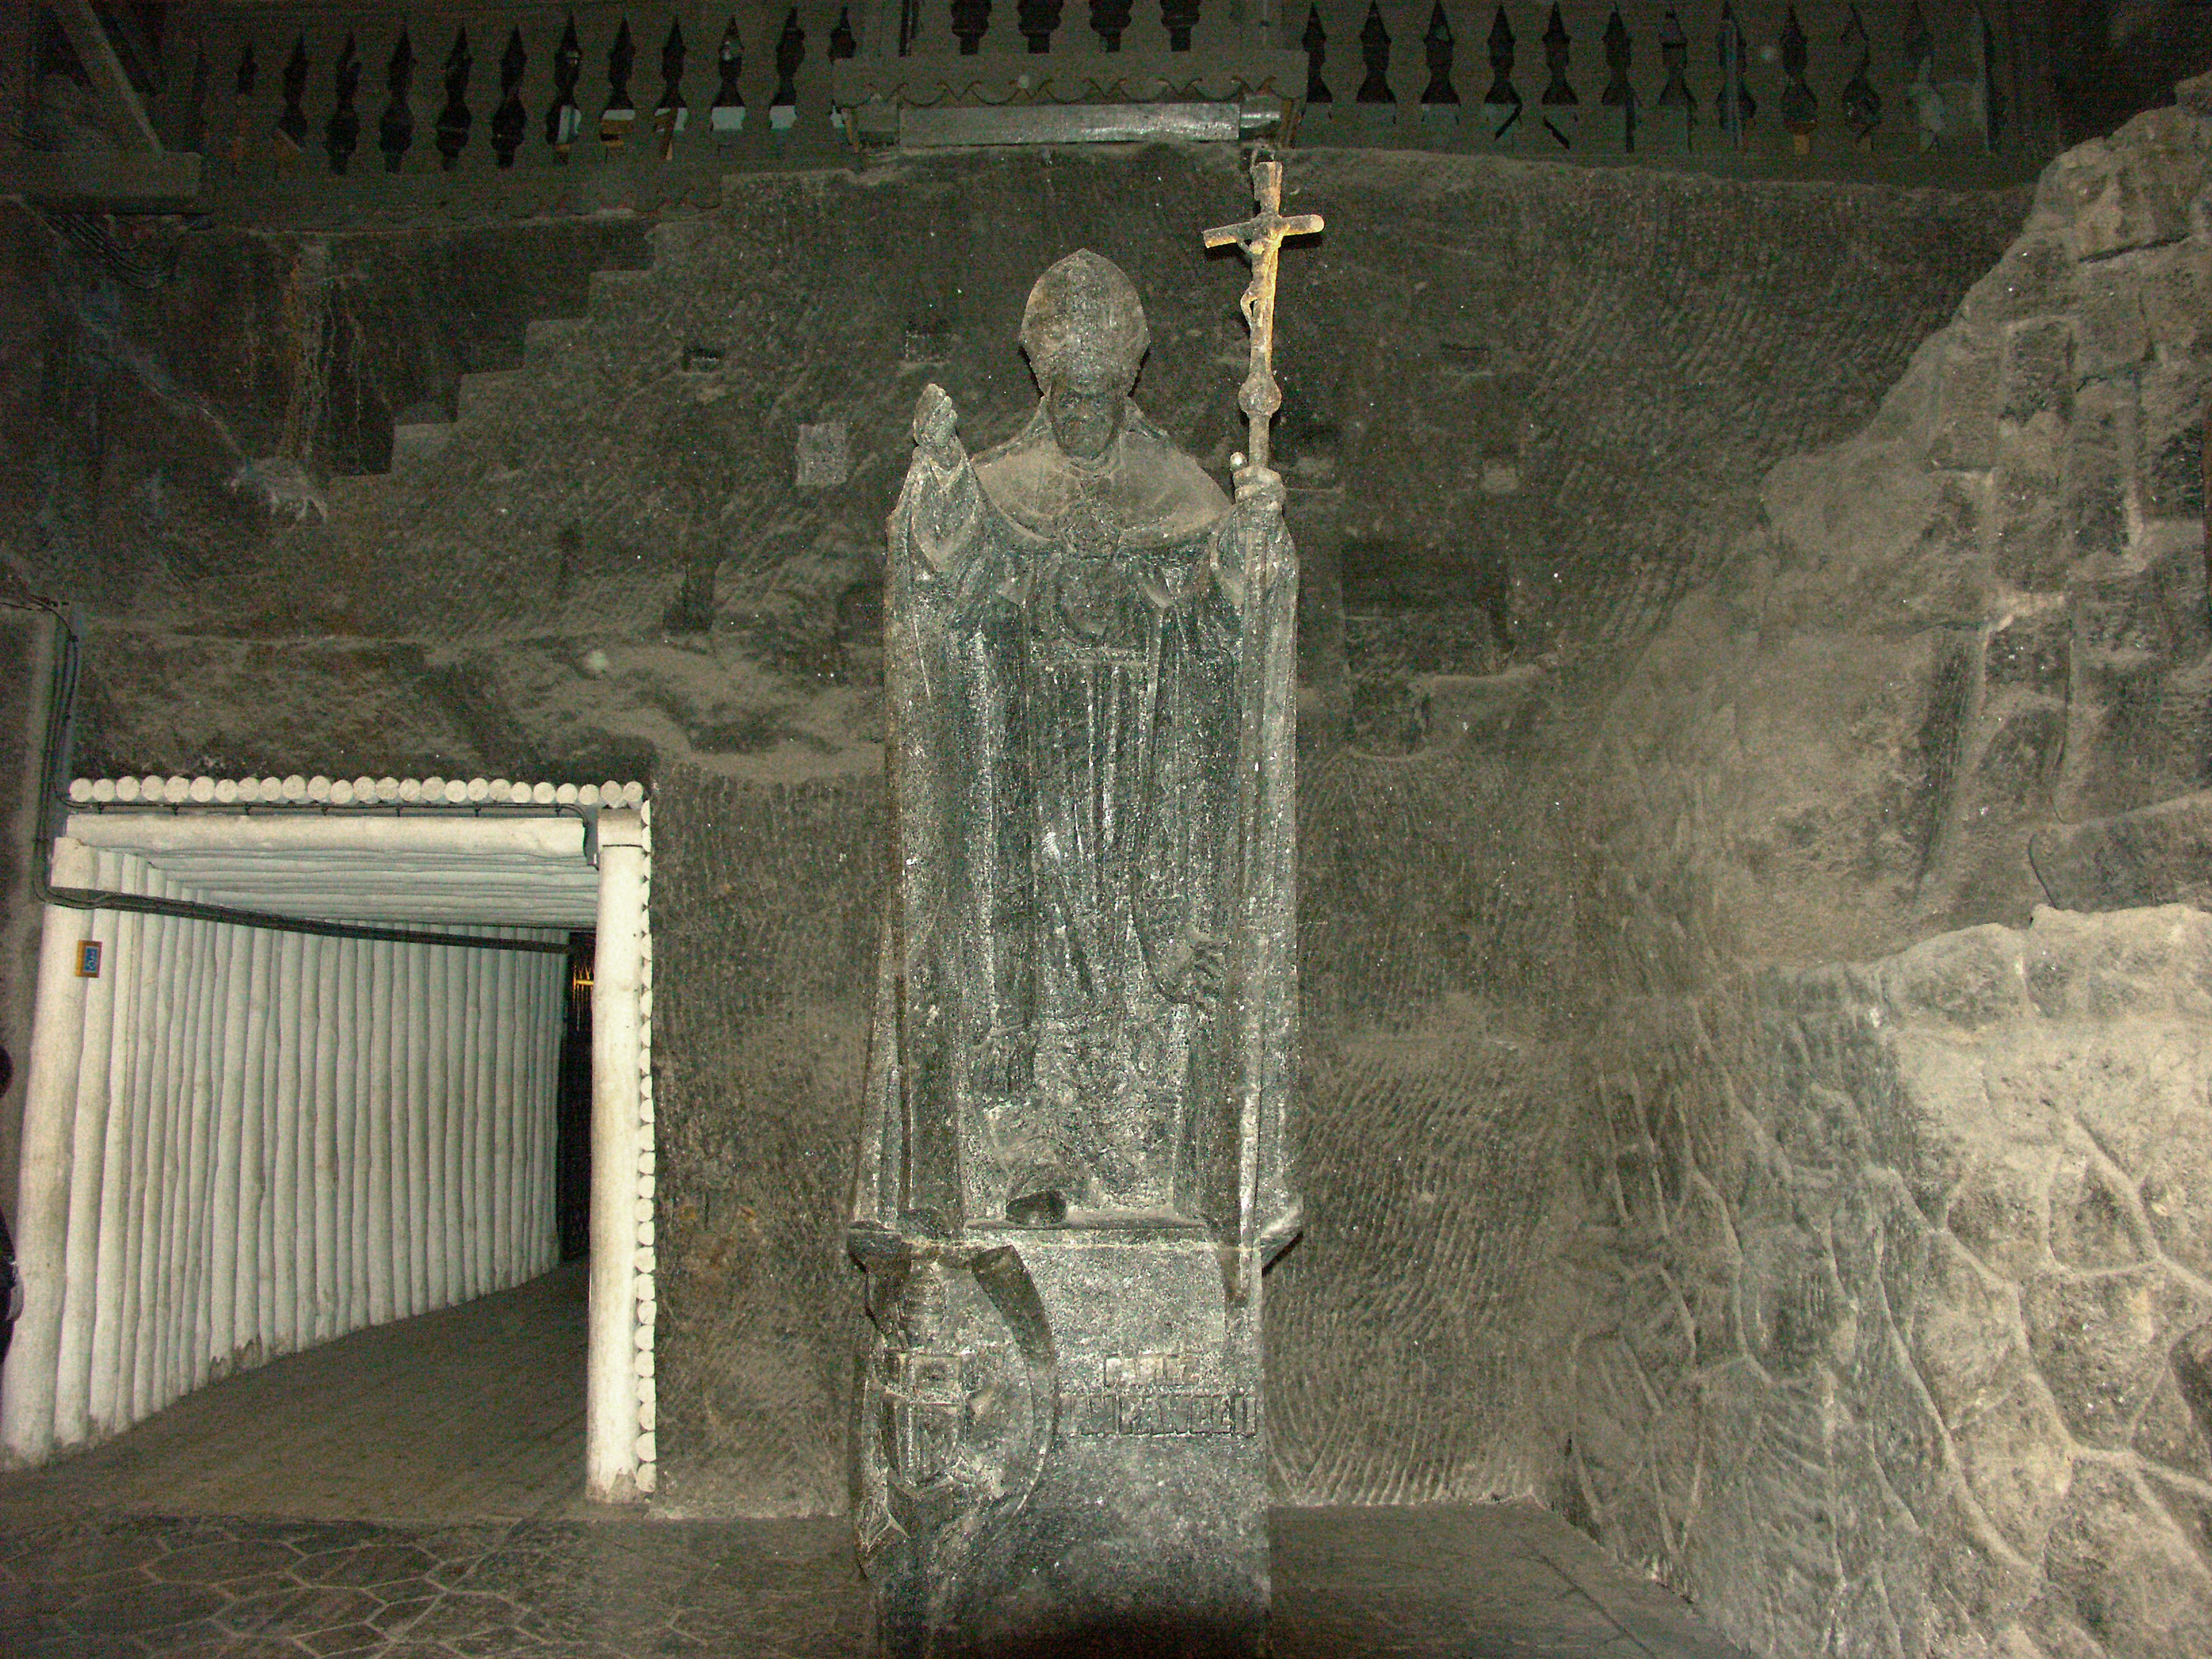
pixel 549 344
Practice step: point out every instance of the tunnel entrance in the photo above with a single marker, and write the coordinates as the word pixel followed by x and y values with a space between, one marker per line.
pixel 309 1149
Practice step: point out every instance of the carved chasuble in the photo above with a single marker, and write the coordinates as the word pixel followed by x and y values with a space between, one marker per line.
pixel 1072 1169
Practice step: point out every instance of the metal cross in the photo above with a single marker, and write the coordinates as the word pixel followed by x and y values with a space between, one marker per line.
pixel 1260 237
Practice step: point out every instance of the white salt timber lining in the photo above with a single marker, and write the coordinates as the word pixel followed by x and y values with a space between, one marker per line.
pixel 517 869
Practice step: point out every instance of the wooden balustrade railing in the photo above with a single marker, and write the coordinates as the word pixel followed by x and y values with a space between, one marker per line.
pixel 523 107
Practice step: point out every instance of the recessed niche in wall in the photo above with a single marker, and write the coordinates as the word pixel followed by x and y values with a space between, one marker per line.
pixel 1410 611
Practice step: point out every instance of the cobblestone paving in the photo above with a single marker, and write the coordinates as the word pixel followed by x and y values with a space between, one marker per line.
pixel 1502 1583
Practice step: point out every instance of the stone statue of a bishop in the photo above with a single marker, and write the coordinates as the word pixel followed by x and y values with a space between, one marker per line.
pixel 1073 1168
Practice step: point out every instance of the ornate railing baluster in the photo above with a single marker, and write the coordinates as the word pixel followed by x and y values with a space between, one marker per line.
pixel 1736 105
pixel 1109 21
pixel 619 113
pixel 669 113
pixel 242 86
pixel 1501 104
pixel 1678 105
pixel 1800 109
pixel 454 120
pixel 342 133
pixel 1316 42
pixel 725 117
pixel 1438 46
pixel 1920 76
pixel 1375 54
pixel 293 122
pixel 1861 104
pixel 395 128
pixel 1561 107
pixel 563 120
pixel 1038 19
pixel 510 121
pixel 972 21
pixel 790 53
pixel 1619 93
pixel 843 45
pixel 1178 17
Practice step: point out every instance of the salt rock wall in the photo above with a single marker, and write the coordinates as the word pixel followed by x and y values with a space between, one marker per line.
pixel 1986 611
pixel 1536 401
pixel 1896 1314
pixel 1912 1345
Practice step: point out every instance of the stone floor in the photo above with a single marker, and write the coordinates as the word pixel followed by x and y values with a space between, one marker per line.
pixel 412 1492
pixel 1499 1582
pixel 471 1413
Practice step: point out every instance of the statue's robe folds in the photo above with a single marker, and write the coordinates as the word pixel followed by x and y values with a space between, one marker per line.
pixel 1072 1165
pixel 1062 654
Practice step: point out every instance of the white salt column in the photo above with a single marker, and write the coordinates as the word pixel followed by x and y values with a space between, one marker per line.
pixel 353 1090
pixel 107 1386
pixel 230 1124
pixel 290 952
pixel 268 1240
pixel 504 1095
pixel 203 1055
pixel 324 1324
pixel 27 1394
pixel 487 1074
pixel 458 1142
pixel 133 1381
pixel 346 1212
pixel 437 1114
pixel 247 1327
pixel 549 973
pixel 417 1213
pixel 88 1195
pixel 610 1390
pixel 468 1092
pixel 170 1106
pixel 378 1069
pixel 524 1221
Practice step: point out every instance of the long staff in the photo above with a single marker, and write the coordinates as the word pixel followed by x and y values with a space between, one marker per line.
pixel 1266 691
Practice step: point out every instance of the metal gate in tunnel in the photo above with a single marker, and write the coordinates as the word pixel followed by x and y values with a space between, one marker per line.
pixel 243 1137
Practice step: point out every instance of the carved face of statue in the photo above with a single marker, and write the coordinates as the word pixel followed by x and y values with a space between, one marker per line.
pixel 1086 407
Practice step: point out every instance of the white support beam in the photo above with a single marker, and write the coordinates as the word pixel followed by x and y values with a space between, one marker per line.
pixel 26 1386
pixel 426 834
pixel 610 1393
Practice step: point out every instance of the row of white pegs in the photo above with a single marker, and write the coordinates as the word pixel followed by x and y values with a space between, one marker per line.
pixel 319 791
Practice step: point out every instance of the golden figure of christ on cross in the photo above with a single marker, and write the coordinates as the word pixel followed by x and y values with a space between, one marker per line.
pixel 1260 237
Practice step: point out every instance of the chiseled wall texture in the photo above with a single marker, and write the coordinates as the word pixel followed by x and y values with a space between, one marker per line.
pixel 1895 1275
pixel 1908 1274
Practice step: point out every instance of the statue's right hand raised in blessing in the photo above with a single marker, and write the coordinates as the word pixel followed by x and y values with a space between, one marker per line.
pixel 937 427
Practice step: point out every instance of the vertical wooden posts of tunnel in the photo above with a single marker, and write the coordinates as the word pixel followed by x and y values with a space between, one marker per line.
pixel 27 1392
pixel 611 1387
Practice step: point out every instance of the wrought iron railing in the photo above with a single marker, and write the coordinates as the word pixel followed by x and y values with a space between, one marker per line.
pixel 524 107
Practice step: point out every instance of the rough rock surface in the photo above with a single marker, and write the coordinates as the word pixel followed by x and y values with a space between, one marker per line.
pixel 1896 1312
pixel 1910 1299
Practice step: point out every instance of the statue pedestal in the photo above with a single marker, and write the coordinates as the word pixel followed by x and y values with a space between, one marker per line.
pixel 1063 1449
